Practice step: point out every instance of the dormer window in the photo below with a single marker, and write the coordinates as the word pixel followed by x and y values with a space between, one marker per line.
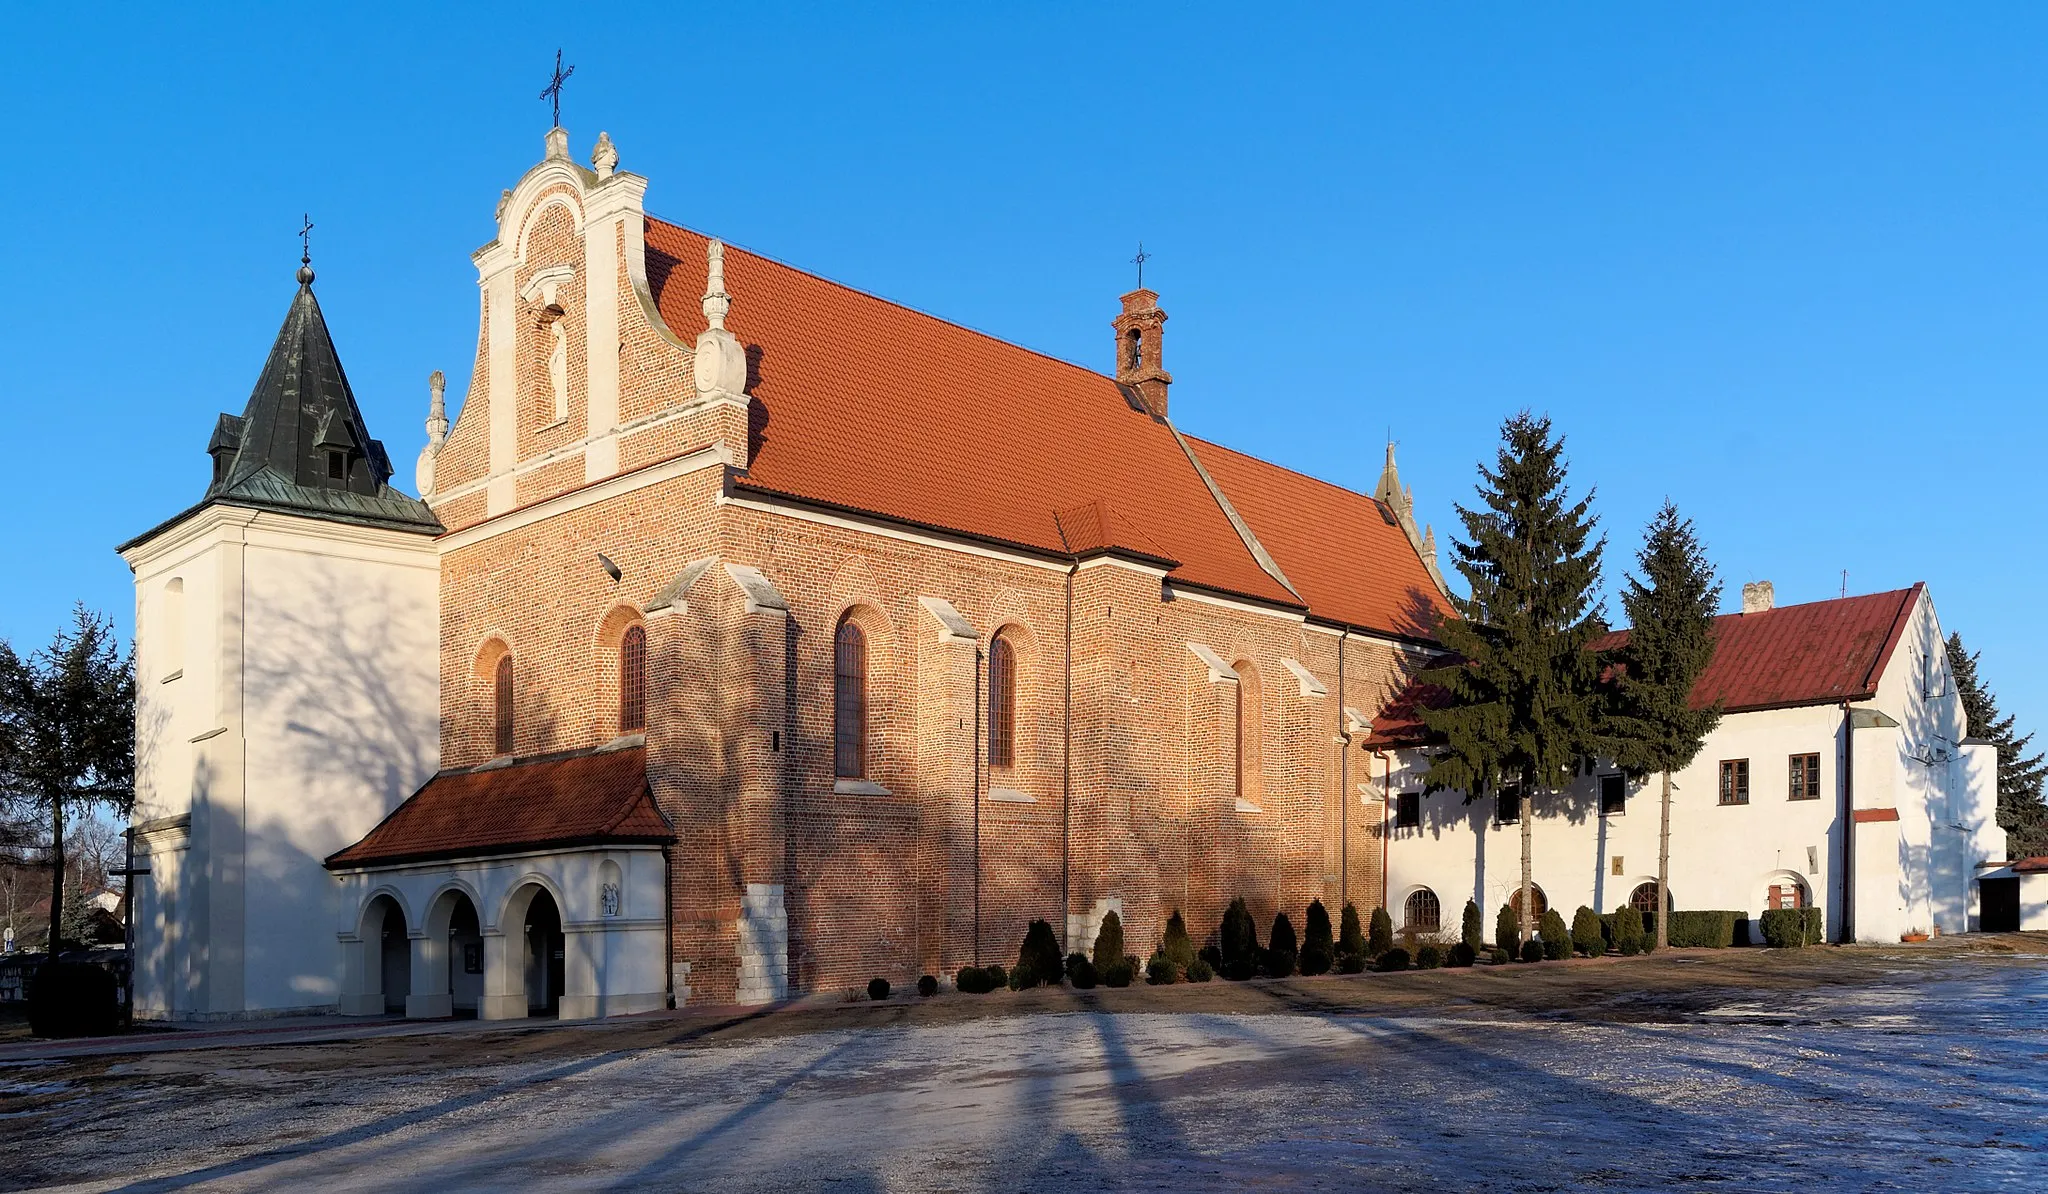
pixel 337 466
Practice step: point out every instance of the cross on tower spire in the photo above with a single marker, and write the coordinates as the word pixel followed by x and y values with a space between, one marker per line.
pixel 553 91
pixel 305 249
pixel 1140 261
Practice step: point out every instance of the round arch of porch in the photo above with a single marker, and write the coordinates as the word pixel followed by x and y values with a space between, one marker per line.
pixel 378 968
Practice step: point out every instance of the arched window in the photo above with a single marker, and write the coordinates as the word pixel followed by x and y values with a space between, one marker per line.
pixel 1246 731
pixel 850 702
pixel 173 637
pixel 503 685
pixel 633 680
pixel 1542 901
pixel 1644 898
pixel 1134 352
pixel 1424 913
pixel 1002 703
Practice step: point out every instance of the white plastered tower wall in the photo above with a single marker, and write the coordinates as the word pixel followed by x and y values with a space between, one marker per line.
pixel 288 698
pixel 1922 803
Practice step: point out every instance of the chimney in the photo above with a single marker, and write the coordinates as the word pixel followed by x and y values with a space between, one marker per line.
pixel 1756 597
pixel 1138 333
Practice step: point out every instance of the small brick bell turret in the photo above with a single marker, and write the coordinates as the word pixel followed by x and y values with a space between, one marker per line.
pixel 1139 331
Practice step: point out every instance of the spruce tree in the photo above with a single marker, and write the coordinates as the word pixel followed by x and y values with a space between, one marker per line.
pixel 1652 726
pixel 67 735
pixel 2021 812
pixel 1522 687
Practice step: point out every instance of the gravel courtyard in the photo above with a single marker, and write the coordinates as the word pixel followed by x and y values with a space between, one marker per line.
pixel 1830 1069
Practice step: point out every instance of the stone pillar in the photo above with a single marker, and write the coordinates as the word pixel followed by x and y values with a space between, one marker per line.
pixel 429 998
pixel 504 996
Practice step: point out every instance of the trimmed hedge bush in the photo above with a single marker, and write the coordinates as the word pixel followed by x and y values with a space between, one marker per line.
pixel 1472 931
pixel 1532 950
pixel 1429 957
pixel 1791 928
pixel 1507 931
pixel 1160 971
pixel 1178 947
pixel 1394 958
pixel 1038 959
pixel 1703 930
pixel 1350 943
pixel 1120 972
pixel 1109 941
pixel 1318 948
pixel 1587 936
pixel 1238 942
pixel 1382 936
pixel 1199 971
pixel 927 986
pixel 878 989
pixel 1498 956
pixel 1281 954
pixel 1626 926
pixel 1462 954
pixel 973 980
pixel 998 978
pixel 1556 936
pixel 73 999
pixel 1081 972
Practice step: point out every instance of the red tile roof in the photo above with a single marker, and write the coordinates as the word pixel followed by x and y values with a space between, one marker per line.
pixel 588 798
pixel 865 405
pixel 2031 866
pixel 1341 550
pixel 1820 653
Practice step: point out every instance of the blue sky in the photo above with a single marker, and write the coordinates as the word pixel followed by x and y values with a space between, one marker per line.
pixel 1788 269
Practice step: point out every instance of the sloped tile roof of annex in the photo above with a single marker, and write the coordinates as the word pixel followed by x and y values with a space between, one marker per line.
pixel 1818 653
pixel 867 406
pixel 595 797
pixel 1341 550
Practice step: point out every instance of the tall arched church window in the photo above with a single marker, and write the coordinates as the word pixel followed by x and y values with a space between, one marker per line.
pixel 1247 731
pixel 1002 703
pixel 503 702
pixel 633 680
pixel 849 702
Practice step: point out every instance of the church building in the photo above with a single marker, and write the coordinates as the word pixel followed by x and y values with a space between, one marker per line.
pixel 750 636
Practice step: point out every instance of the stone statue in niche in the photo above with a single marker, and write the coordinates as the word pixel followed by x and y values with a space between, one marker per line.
pixel 558 367
pixel 608 899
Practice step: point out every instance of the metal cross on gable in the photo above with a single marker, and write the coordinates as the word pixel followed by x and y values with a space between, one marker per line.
pixel 553 91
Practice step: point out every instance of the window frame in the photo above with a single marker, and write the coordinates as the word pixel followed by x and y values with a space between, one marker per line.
pixel 849 701
pixel 1407 810
pixel 1408 919
pixel 503 707
pixel 1506 793
pixel 633 680
pixel 1619 807
pixel 1002 703
pixel 1802 779
pixel 1733 794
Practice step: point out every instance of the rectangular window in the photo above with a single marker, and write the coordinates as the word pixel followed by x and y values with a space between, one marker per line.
pixel 1804 782
pixel 1507 807
pixel 1613 795
pixel 1734 781
pixel 1408 810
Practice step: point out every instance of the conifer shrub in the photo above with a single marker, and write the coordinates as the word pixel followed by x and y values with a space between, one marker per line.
pixel 1507 930
pixel 1472 929
pixel 1282 955
pixel 1238 942
pixel 73 999
pixel 1628 931
pixel 1462 954
pixel 1498 956
pixel 1586 935
pixel 1318 949
pixel 1038 959
pixel 1392 958
pixel 1532 950
pixel 1791 928
pixel 927 986
pixel 1429 956
pixel 998 978
pixel 1382 938
pixel 1213 958
pixel 1350 943
pixel 1120 972
pixel 972 980
pixel 1109 941
pixel 1178 947
pixel 1556 936
pixel 1160 971
pixel 1081 972
pixel 878 989
pixel 1199 971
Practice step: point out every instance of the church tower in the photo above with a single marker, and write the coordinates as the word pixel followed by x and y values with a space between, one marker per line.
pixel 288 689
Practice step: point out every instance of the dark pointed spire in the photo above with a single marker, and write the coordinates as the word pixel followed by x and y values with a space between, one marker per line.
pixel 301 445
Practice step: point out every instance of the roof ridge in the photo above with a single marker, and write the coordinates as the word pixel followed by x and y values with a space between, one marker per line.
pixel 1295 472
pixel 880 298
pixel 1823 601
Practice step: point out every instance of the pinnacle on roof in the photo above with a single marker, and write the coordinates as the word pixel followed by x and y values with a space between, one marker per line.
pixel 301 446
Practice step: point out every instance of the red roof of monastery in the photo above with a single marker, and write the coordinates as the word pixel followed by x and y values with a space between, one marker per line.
pixel 586 798
pixel 2032 866
pixel 1819 653
pixel 1342 551
pixel 864 405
